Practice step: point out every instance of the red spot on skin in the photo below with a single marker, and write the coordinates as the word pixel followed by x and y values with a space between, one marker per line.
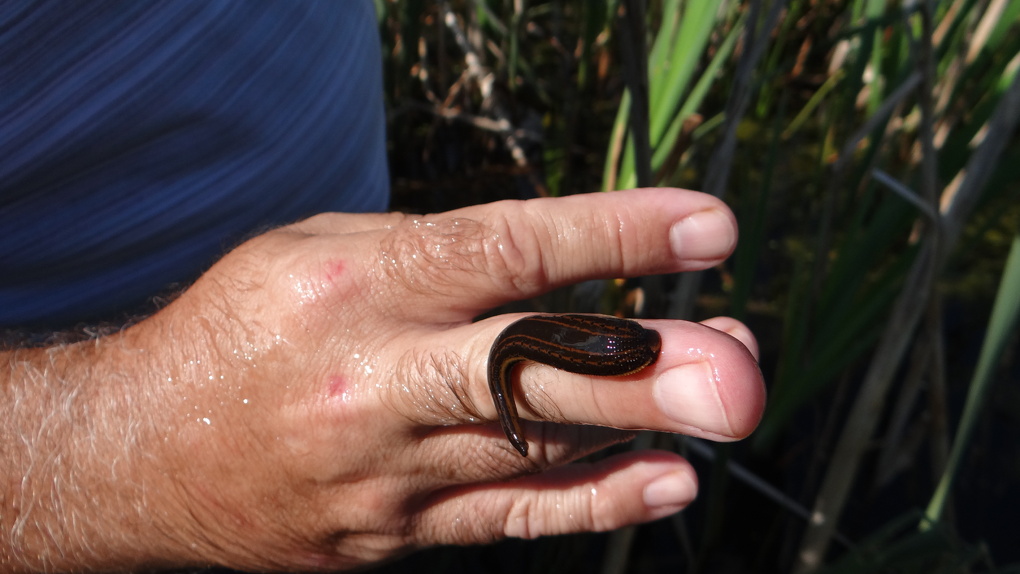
pixel 337 385
pixel 335 269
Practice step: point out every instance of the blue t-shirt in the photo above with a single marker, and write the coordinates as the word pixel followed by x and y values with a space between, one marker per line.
pixel 139 141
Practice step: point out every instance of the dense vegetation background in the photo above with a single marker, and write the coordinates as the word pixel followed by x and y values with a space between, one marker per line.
pixel 870 150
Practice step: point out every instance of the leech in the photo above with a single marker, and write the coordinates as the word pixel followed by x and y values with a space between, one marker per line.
pixel 584 344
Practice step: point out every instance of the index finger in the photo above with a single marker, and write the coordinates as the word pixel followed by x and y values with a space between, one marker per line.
pixel 479 257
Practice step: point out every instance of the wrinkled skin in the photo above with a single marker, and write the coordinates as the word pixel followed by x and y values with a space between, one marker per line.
pixel 317 400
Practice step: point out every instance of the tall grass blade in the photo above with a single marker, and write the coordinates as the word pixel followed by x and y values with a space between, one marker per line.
pixel 679 46
pixel 1001 327
pixel 697 95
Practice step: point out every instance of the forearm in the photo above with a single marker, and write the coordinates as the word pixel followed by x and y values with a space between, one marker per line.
pixel 79 472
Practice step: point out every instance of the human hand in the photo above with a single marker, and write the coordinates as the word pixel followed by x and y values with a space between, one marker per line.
pixel 318 399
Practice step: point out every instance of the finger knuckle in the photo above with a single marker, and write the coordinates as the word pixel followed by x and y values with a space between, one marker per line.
pixel 431 254
pixel 435 387
pixel 521 519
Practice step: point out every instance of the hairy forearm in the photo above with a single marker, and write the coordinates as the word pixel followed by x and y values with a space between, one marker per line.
pixel 79 472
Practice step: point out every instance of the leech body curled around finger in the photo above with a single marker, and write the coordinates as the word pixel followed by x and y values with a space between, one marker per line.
pixel 584 344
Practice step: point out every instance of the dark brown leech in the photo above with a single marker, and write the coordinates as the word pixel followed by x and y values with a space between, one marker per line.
pixel 585 344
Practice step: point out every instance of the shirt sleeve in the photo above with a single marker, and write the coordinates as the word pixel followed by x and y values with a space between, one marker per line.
pixel 141 140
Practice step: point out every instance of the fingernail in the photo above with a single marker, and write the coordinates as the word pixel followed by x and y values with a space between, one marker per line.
pixel 687 394
pixel 703 235
pixel 671 491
